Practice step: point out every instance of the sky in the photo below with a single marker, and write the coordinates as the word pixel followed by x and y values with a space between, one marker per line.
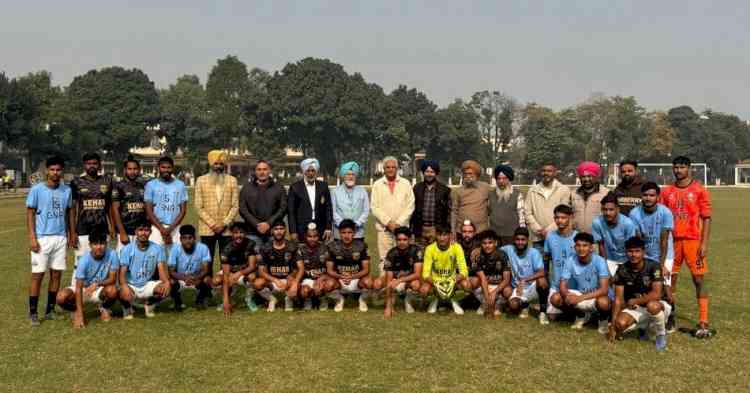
pixel 555 53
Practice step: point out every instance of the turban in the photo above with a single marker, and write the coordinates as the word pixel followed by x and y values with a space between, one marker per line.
pixel 471 164
pixel 310 162
pixel 430 164
pixel 505 170
pixel 347 167
pixel 588 168
pixel 215 156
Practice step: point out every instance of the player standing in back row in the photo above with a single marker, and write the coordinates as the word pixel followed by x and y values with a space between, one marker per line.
pixel 690 204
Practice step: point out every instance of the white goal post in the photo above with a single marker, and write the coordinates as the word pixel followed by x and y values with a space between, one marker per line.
pixel 661 173
pixel 742 175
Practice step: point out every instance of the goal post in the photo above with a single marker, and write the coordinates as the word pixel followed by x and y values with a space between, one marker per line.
pixel 661 173
pixel 742 175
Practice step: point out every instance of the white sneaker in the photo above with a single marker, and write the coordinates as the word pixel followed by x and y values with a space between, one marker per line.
pixel 603 327
pixel 288 304
pixel 362 304
pixel 127 313
pixel 339 306
pixel 524 313
pixel 408 307
pixel 272 304
pixel 433 307
pixel 497 312
pixel 579 322
pixel 543 320
pixel 480 310
pixel 323 304
pixel 308 304
pixel 457 308
pixel 149 310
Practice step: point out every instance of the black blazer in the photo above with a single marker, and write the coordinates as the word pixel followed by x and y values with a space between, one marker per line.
pixel 443 205
pixel 300 211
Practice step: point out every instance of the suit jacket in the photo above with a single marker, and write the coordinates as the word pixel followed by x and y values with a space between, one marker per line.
pixel 300 208
pixel 214 210
pixel 443 205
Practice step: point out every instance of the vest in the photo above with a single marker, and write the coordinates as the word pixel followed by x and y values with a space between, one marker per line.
pixel 504 214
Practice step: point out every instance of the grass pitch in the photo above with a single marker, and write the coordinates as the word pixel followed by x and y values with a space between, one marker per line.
pixel 361 352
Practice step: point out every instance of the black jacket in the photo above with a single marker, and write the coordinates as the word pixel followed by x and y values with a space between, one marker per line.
pixel 442 207
pixel 300 211
pixel 258 206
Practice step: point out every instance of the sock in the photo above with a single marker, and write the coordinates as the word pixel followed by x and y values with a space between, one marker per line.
pixel 68 306
pixel 658 322
pixel 33 301
pixel 336 295
pixel 543 296
pixel 125 304
pixel 364 294
pixel 265 293
pixel 108 303
pixel 51 301
pixel 703 309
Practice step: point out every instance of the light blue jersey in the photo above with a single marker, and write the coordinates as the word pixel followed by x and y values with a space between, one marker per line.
pixel 51 205
pixel 559 248
pixel 166 198
pixel 186 263
pixel 92 270
pixel 614 237
pixel 584 278
pixel 650 226
pixel 141 264
pixel 523 266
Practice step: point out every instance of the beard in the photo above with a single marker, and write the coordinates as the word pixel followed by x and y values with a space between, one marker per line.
pixel 349 183
pixel 217 178
pixel 504 193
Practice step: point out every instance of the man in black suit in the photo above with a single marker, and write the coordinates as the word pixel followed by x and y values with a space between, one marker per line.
pixel 432 204
pixel 310 201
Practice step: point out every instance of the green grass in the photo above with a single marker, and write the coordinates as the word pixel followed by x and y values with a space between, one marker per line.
pixel 356 352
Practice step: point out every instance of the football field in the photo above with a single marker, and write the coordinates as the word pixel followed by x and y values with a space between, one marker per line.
pixel 201 351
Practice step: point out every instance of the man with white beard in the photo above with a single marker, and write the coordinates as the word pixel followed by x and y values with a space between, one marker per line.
pixel 350 201
pixel 506 205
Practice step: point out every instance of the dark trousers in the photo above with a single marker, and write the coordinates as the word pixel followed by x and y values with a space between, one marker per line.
pixel 212 242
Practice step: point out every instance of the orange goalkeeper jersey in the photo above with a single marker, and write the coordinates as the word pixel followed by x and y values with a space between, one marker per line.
pixel 689 206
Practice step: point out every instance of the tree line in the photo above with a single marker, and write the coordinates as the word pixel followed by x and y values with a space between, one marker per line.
pixel 316 106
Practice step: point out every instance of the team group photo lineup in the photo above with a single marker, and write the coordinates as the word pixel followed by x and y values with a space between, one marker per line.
pixel 565 255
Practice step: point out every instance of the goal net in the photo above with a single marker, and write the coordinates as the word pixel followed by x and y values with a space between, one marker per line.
pixel 661 173
pixel 742 175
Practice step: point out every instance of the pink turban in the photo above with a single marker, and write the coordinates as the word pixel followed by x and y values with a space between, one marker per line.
pixel 589 168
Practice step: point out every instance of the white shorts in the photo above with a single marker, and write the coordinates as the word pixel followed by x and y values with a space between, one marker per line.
pixel 529 294
pixel 184 286
pixel 95 297
pixel 275 288
pixel 144 292
pixel 643 317
pixel 308 282
pixel 120 246
pixel 612 266
pixel 352 287
pixel 550 308
pixel 158 239
pixel 586 305
pixel 242 281
pixel 51 255
pixel 669 263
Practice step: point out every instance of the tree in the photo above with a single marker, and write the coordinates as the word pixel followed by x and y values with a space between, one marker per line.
pixel 660 138
pixel 317 107
pixel 412 120
pixel 616 128
pixel 228 92
pixel 497 114
pixel 115 106
pixel 543 139
pixel 184 118
pixel 458 136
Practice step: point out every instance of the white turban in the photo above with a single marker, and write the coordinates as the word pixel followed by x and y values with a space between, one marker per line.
pixel 310 162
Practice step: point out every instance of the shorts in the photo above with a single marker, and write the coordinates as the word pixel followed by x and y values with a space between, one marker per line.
pixel 83 247
pixel 120 246
pixel 308 282
pixel 184 286
pixel 352 287
pixel 586 305
pixel 275 288
pixel 95 297
pixel 669 263
pixel 687 251
pixel 529 294
pixel 51 255
pixel 550 308
pixel 145 291
pixel 612 266
pixel 643 317
pixel 246 281
pixel 158 239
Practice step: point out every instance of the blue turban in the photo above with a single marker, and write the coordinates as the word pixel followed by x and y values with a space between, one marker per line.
pixel 347 167
pixel 506 170
pixel 310 162
pixel 430 164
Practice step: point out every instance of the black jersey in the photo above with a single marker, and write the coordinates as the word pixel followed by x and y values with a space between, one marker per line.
pixel 313 259
pixel 468 247
pixel 348 260
pixel 92 197
pixel 398 260
pixel 280 263
pixel 637 283
pixel 130 196
pixel 493 265
pixel 236 255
